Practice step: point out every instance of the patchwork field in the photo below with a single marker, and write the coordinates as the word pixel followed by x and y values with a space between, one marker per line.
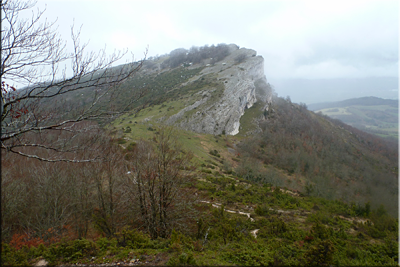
pixel 380 119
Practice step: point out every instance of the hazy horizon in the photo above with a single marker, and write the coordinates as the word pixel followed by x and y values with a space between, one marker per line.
pixel 312 91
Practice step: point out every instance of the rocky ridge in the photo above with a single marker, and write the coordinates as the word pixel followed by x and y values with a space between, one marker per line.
pixel 244 83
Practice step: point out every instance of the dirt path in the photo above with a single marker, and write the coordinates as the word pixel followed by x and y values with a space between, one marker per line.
pixel 352 219
pixel 218 205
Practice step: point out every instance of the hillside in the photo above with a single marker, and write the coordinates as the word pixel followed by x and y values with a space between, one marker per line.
pixel 304 148
pixel 210 167
pixel 207 97
pixel 323 157
pixel 370 114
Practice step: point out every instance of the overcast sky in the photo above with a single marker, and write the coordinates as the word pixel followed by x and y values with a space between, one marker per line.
pixel 298 39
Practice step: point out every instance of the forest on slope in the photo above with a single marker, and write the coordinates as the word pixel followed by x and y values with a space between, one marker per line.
pixel 323 156
pixel 100 214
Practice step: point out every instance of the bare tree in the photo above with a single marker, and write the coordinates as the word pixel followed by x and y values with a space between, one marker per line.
pixel 160 168
pixel 51 195
pixel 109 207
pixel 32 56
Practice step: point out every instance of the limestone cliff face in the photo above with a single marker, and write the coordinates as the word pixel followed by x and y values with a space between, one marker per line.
pixel 244 83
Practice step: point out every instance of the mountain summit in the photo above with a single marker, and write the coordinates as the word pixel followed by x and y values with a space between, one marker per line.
pixel 214 86
pixel 219 109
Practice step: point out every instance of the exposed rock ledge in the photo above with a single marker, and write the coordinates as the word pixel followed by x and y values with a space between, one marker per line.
pixel 244 85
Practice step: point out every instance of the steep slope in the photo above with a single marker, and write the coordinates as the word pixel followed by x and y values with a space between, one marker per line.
pixel 322 156
pixel 215 94
pixel 218 112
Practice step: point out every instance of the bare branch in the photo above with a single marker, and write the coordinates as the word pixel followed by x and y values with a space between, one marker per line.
pixel 51 160
pixel 32 53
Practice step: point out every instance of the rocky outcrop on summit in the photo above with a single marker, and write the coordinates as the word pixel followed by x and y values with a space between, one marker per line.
pixel 244 83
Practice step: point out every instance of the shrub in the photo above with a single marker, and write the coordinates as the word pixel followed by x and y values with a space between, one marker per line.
pixel 179 242
pixel 392 249
pixel 121 141
pixel 274 227
pixel 321 217
pixel 321 231
pixel 12 257
pixel 183 259
pixel 133 238
pixel 198 246
pixel 253 256
pixel 321 254
pixel 215 153
pixel 262 210
pixel 104 243
pixel 71 250
pixel 20 240
pixel 278 226
pixel 131 146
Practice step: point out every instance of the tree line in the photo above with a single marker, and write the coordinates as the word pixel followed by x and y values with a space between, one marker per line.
pixel 196 55
pixel 141 186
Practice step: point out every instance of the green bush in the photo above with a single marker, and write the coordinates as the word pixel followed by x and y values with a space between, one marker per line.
pixel 131 146
pixel 247 254
pixel 133 238
pixel 262 210
pixel 272 228
pixel 392 249
pixel 183 259
pixel 71 250
pixel 321 231
pixel 321 254
pixel 215 153
pixel 103 244
pixel 287 255
pixel 278 226
pixel 12 257
pixel 180 242
pixel 294 235
pixel 321 217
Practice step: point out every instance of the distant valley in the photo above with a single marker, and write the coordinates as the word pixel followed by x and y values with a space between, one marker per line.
pixel 370 114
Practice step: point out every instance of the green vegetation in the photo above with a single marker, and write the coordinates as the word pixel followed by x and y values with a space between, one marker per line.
pixel 322 157
pixel 331 235
pixel 159 87
pixel 247 121
pixel 372 115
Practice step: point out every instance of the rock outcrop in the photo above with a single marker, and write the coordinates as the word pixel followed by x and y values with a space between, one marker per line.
pixel 244 83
